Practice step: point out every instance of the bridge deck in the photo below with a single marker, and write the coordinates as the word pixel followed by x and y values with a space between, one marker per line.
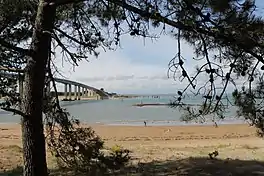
pixel 4 71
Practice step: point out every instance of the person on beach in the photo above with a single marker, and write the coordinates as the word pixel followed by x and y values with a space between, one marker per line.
pixel 145 123
pixel 215 125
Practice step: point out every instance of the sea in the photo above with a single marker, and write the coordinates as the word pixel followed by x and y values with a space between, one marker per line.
pixel 122 112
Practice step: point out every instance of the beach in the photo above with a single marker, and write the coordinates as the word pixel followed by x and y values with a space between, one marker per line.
pixel 159 144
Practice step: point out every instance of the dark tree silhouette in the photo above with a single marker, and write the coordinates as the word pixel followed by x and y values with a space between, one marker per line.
pixel 226 36
pixel 31 33
pixel 227 41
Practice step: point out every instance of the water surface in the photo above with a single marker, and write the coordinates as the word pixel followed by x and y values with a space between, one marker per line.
pixel 122 112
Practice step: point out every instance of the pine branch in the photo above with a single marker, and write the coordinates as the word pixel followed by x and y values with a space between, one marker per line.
pixel 176 24
pixel 65 2
pixel 64 48
pixel 72 38
pixel 181 26
pixel 15 48
pixel 15 111
pixel 11 69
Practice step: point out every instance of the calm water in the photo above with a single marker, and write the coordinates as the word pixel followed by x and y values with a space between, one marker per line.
pixel 121 112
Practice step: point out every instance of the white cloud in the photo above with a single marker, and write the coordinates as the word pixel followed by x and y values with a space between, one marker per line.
pixel 116 74
pixel 136 68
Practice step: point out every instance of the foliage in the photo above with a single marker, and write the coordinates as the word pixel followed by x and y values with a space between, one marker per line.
pixel 77 34
pixel 226 36
pixel 77 147
pixel 81 150
pixel 250 103
pixel 117 157
pixel 227 41
pixel 213 155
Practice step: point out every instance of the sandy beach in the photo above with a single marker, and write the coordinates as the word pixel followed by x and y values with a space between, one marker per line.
pixel 164 145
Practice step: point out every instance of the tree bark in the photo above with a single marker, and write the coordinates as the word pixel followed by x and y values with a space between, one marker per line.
pixel 33 139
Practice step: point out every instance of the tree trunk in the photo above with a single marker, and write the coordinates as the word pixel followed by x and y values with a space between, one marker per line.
pixel 33 139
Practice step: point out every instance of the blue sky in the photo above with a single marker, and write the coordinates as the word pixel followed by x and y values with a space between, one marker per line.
pixel 260 7
pixel 136 67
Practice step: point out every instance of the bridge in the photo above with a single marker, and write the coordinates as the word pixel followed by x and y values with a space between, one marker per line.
pixel 86 92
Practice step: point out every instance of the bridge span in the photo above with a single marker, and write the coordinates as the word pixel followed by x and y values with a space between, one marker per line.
pixel 77 94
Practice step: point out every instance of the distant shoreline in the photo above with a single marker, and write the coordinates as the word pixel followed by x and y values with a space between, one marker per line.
pixel 154 123
pixel 150 104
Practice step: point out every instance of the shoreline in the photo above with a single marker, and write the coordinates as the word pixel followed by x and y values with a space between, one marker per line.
pixel 141 124
pixel 133 130
pixel 152 122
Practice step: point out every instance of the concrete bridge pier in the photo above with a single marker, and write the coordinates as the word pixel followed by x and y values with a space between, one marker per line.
pixel 75 92
pixel 70 92
pixel 65 91
pixel 83 92
pixel 86 92
pixel 79 92
pixel 90 93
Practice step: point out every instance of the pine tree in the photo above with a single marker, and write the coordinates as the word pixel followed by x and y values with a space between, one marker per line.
pixel 228 29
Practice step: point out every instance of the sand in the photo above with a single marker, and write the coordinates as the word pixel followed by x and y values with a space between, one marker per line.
pixel 179 144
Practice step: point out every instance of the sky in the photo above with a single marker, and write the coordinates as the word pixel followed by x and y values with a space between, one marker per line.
pixel 138 67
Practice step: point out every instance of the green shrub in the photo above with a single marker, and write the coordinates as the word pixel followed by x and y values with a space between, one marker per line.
pixel 81 150
pixel 117 158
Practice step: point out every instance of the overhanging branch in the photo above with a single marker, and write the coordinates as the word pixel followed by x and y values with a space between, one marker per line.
pixel 64 48
pixel 181 26
pixel 73 39
pixel 65 2
pixel 15 111
pixel 11 69
pixel 176 24
pixel 15 48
